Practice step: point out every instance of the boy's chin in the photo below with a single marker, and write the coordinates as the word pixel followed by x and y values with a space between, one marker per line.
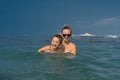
pixel 54 47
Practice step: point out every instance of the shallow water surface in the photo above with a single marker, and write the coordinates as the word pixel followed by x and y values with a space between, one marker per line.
pixel 98 60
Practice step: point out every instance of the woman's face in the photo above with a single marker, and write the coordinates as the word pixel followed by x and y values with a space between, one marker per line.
pixel 55 42
pixel 66 33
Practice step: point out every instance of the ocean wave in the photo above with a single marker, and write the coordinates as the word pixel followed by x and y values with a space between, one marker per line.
pixel 112 36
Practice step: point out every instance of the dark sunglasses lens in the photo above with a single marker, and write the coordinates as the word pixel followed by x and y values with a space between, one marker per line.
pixel 69 35
pixel 64 35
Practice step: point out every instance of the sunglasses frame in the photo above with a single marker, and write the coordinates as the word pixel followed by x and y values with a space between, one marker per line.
pixel 66 35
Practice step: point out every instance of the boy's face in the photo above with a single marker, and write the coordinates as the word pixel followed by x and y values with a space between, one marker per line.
pixel 55 42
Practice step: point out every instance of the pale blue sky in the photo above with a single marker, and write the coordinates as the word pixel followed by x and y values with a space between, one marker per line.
pixel 46 17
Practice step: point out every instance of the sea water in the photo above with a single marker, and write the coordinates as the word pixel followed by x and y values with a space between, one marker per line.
pixel 98 58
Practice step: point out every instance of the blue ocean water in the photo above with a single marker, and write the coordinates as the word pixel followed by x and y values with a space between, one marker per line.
pixel 98 58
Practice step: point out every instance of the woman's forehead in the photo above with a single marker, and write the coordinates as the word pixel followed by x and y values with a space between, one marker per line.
pixel 66 31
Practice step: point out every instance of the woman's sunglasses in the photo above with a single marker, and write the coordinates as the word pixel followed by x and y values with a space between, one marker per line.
pixel 66 35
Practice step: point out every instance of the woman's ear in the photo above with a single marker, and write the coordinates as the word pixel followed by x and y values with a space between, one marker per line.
pixel 60 33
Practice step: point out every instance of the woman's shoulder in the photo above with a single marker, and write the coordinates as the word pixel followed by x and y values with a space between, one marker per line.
pixel 72 44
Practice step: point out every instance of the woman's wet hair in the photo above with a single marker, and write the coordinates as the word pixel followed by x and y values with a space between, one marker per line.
pixel 66 27
pixel 58 36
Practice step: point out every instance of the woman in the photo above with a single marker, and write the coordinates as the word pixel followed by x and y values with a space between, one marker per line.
pixel 66 33
pixel 56 45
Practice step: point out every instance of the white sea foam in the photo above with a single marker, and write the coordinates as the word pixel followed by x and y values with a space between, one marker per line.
pixel 93 35
pixel 112 36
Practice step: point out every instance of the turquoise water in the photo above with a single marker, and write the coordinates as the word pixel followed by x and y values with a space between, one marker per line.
pixel 98 58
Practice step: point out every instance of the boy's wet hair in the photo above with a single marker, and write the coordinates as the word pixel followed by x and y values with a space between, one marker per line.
pixel 58 36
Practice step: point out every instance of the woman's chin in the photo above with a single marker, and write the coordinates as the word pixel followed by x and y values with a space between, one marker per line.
pixel 66 40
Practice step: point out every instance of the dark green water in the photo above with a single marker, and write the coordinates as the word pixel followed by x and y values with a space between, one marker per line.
pixel 99 60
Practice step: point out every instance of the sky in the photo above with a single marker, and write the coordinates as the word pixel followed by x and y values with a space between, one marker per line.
pixel 47 17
